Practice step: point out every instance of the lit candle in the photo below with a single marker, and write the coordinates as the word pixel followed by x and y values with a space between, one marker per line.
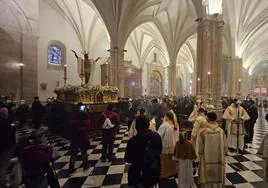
pixel 209 81
pixel 198 85
pixel 239 85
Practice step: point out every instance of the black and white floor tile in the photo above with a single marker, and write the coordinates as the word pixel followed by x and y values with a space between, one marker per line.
pixel 242 170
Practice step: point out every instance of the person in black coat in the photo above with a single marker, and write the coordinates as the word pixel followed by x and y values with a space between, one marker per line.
pixel 143 152
pixel 7 143
pixel 22 113
pixel 38 112
pixel 253 114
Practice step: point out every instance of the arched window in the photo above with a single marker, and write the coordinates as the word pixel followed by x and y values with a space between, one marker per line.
pixel 56 54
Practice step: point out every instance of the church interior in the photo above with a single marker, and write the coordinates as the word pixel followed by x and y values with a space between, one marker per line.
pixel 191 54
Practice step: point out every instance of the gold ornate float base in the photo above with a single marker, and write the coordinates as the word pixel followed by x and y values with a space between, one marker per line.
pixel 88 94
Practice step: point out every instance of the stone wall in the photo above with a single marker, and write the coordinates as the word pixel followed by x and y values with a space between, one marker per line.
pixel 18 45
pixel 18 48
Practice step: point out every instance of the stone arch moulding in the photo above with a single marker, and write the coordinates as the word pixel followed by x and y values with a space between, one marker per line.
pixel 63 55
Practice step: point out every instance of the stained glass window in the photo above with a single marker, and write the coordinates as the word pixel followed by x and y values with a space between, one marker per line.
pixel 54 55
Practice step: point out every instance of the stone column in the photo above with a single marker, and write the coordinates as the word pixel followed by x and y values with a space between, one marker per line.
pixel 234 75
pixel 29 59
pixel 246 83
pixel 172 79
pixel 209 60
pixel 116 76
pixel 217 63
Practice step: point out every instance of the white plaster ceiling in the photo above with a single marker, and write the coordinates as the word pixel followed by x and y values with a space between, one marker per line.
pixel 14 14
pixel 143 42
pixel 85 21
pixel 187 54
pixel 172 23
pixel 247 30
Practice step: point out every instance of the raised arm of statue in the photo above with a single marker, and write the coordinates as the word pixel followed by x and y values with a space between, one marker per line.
pixel 98 59
pixel 75 54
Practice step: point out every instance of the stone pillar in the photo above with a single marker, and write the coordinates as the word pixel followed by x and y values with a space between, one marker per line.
pixel 235 73
pixel 217 63
pixel 29 76
pixel 116 76
pixel 246 83
pixel 172 80
pixel 209 60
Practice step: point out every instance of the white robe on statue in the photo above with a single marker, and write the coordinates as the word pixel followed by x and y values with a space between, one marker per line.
pixel 231 114
pixel 212 149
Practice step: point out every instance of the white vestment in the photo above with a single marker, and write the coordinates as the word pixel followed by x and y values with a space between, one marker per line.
pixel 212 150
pixel 174 117
pixel 185 173
pixel 231 114
pixel 193 115
pixel 133 132
pixel 169 137
pixel 199 123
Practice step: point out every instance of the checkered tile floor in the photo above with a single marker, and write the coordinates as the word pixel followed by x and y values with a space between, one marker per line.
pixel 244 170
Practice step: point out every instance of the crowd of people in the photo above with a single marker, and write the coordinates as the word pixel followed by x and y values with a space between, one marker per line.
pixel 168 137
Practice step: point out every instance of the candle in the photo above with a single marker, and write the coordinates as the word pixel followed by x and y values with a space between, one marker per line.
pixel 65 71
pixel 209 81
pixel 198 85
pixel 239 85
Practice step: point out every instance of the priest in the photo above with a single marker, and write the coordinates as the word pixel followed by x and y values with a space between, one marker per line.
pixel 235 116
pixel 212 156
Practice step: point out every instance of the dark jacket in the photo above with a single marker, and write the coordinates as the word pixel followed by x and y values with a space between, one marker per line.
pixel 79 129
pixel 7 135
pixel 253 113
pixel 136 152
pixel 22 112
pixel 38 111
pixel 35 158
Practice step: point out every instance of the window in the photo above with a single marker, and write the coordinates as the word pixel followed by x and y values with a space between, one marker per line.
pixel 54 55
